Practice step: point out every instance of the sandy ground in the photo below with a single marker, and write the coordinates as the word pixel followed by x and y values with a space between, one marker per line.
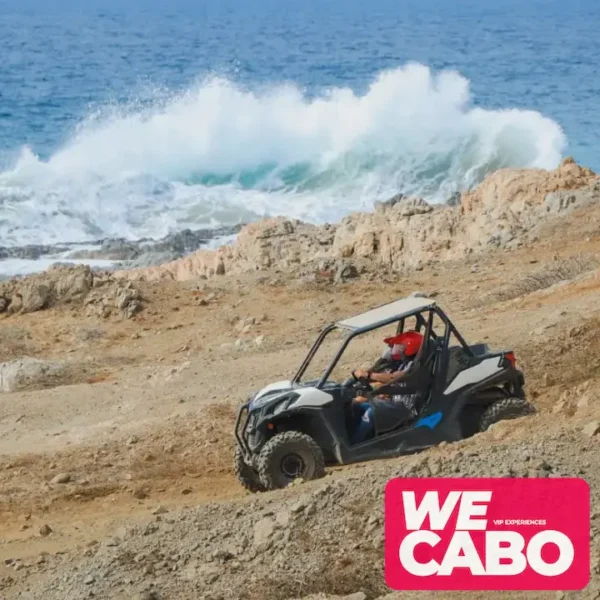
pixel 148 421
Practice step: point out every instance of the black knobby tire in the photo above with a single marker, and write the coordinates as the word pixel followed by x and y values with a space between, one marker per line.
pixel 287 456
pixel 502 410
pixel 246 475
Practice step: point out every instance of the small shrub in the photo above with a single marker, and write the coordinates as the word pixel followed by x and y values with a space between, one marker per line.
pixel 557 272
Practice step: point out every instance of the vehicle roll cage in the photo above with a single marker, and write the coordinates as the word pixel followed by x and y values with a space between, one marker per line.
pixel 423 323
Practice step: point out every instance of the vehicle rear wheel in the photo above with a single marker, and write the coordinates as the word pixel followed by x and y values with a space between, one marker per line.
pixel 288 456
pixel 246 475
pixel 502 410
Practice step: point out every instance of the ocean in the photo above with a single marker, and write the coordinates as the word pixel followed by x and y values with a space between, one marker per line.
pixel 123 118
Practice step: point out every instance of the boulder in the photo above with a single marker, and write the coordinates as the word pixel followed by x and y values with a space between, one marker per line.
pixel 61 478
pixel 390 202
pixel 34 297
pixel 16 303
pixel 27 372
pixel 344 271
pixel 128 301
pixel 592 429
pixel 74 283
pixel 263 530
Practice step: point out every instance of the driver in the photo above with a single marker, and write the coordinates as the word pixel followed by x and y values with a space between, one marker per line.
pixel 397 358
pixel 403 349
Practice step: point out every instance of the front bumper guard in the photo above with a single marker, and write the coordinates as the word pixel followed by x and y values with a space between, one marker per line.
pixel 240 427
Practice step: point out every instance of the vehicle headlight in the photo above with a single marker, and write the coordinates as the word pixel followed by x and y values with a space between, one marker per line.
pixel 260 402
pixel 282 406
pixel 284 403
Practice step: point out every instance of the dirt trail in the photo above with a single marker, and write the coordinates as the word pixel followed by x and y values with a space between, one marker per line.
pixel 76 522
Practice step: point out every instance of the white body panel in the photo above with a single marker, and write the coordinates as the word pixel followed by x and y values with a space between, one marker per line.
pixel 311 397
pixel 479 372
pixel 272 387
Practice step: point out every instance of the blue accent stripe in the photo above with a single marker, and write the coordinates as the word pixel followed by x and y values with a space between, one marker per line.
pixel 430 421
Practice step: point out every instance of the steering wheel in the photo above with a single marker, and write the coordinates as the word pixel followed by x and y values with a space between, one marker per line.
pixel 363 381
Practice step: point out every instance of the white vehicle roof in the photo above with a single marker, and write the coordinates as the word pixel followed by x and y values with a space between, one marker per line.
pixel 398 309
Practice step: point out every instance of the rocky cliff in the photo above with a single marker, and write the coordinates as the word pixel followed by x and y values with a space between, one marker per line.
pixel 503 211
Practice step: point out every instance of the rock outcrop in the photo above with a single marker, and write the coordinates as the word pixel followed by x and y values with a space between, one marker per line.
pixel 511 202
pixel 101 294
pixel 403 232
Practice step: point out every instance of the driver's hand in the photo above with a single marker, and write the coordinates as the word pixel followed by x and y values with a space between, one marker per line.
pixel 360 373
pixel 359 399
pixel 376 385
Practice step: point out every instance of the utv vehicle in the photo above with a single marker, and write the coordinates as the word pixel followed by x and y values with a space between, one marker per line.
pixel 292 429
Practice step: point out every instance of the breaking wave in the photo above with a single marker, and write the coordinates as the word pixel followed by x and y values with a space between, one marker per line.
pixel 220 154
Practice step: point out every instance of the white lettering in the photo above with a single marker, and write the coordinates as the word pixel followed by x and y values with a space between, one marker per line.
pixel 494 553
pixel 407 553
pixel 566 553
pixel 499 546
pixel 430 506
pixel 468 510
pixel 461 553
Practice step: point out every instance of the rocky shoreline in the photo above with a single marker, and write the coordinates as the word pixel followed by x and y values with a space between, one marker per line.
pixel 504 211
pixel 124 253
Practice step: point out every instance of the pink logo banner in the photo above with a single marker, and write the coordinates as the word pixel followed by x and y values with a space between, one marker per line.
pixel 487 534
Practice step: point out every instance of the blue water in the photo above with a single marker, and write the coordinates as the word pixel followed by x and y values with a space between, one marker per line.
pixel 137 118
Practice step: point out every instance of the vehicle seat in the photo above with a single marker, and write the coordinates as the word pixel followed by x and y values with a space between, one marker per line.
pixel 479 349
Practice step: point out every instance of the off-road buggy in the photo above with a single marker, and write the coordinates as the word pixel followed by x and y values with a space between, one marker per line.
pixel 292 429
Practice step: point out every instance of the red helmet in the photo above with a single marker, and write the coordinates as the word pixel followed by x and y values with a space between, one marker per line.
pixel 408 343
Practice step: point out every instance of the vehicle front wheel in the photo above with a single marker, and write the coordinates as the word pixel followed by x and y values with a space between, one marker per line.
pixel 246 475
pixel 288 456
pixel 502 410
